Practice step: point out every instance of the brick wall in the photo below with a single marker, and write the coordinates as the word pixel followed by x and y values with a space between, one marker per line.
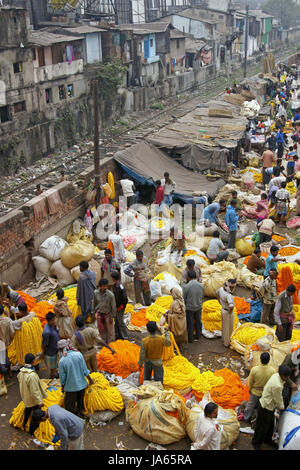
pixel 21 233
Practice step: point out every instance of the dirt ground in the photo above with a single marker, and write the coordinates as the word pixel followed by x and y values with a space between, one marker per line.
pixel 211 353
pixel 207 354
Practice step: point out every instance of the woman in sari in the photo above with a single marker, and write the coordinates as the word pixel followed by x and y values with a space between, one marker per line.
pixel 260 212
pixel 262 208
pixel 176 317
pixel 64 317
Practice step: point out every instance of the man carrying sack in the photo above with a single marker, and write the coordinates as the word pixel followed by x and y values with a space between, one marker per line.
pixel 104 307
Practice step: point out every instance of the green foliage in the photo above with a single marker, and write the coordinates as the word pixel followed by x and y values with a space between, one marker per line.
pixel 286 11
pixel 157 106
pixel 110 77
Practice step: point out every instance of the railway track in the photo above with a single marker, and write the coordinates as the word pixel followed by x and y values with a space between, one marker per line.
pixel 111 141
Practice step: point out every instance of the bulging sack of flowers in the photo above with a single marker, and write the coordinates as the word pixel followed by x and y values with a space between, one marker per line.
pixel 61 273
pixel 246 278
pixel 244 248
pixel 73 254
pixel 52 247
pixel 227 419
pixel 160 226
pixel 277 350
pixel 214 276
pixel 198 239
pixel 247 334
pixel 167 282
pixel 159 419
pixel 42 267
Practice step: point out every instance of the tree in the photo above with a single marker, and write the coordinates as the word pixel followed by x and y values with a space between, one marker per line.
pixel 286 11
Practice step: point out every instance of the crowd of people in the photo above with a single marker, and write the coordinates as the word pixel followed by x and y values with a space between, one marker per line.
pixel 70 346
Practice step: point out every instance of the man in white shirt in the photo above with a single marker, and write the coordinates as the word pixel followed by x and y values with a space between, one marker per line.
pixel 208 433
pixel 128 189
pixel 225 298
pixel 169 188
pixel 216 251
pixel 119 249
pixel 266 229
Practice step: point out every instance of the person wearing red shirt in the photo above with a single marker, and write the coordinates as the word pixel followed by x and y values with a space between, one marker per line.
pixel 159 196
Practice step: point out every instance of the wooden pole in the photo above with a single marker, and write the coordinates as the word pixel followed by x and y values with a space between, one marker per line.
pixel 96 145
pixel 246 40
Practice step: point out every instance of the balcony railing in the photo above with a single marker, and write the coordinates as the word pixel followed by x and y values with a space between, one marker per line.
pixel 53 71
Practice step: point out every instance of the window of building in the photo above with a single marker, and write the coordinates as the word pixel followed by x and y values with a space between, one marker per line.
pixel 41 56
pixel 177 43
pixel 61 92
pixel 20 106
pixel 48 95
pixel 70 91
pixel 33 53
pixel 4 114
pixel 151 42
pixel 17 67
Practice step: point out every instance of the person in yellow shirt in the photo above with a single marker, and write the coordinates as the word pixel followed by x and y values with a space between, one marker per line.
pixel 152 351
pixel 259 376
pixel 270 400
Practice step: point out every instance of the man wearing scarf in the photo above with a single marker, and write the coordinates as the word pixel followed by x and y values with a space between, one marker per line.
pixel 104 307
pixel 31 390
pixel 86 285
pixel 109 264
pixel 121 299
pixel 73 373
pixel 84 340
pixel 284 315
pixel 225 298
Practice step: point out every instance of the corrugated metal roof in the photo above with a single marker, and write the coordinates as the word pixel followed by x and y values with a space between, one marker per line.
pixel 45 38
pixel 85 29
pixel 191 14
pixel 145 28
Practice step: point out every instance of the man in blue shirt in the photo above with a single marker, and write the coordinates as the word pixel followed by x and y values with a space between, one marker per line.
pixel 73 373
pixel 50 337
pixel 271 261
pixel 68 427
pixel 231 220
pixel 297 116
pixel 280 143
pixel 211 212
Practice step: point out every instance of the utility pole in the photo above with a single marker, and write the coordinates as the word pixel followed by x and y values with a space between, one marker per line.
pixel 246 40
pixel 96 144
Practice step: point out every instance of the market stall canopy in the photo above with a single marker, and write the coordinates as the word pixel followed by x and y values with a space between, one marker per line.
pixel 202 138
pixel 146 164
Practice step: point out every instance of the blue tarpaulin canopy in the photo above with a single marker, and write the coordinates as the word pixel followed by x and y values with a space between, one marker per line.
pixel 146 163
